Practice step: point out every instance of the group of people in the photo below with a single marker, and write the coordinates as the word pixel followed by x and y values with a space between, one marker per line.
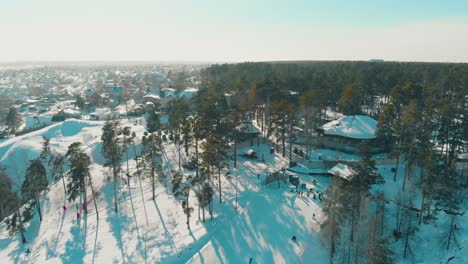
pixel 78 214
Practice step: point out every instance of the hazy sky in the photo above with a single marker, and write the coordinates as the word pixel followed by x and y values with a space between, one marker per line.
pixel 240 30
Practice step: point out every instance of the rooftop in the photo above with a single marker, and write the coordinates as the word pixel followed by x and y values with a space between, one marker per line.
pixel 358 127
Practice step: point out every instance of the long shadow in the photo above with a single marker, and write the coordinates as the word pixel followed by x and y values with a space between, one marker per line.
pixel 165 227
pixel 75 249
pixel 251 236
pixel 95 240
pixel 53 251
pixel 31 234
pixel 115 220
pixel 136 225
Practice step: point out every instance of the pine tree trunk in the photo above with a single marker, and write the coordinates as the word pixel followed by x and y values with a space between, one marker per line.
pixel 450 232
pixel 64 187
pixel 197 175
pixel 407 236
pixel 396 166
pixel 219 185
pixel 290 140
pixel 136 158
pixel 235 150
pixel 38 205
pixel 210 206
pixel 408 166
pixel 20 223
pixel 382 220
pixel 115 188
pixel 126 157
pixel 93 193
pixel 188 211
pixel 283 141
pixel 203 202
pixel 152 181
pixel 398 217
pixel 422 207
pixel 85 203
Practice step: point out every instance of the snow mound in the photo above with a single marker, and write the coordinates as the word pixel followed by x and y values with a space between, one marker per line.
pixel 16 152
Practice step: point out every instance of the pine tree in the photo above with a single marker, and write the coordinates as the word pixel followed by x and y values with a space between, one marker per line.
pixel 350 101
pixel 79 102
pixel 181 188
pixel 79 170
pixel 282 114
pixel 111 151
pixel 8 198
pixel 15 223
pixel 153 123
pixel 152 149
pixel 13 119
pixel 214 156
pixel 57 171
pixel 126 133
pixel 35 183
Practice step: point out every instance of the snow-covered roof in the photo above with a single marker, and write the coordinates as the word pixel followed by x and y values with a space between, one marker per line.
pixel 463 156
pixel 248 127
pixel 341 170
pixel 69 111
pixel 102 111
pixel 358 127
pixel 188 93
pixel 152 96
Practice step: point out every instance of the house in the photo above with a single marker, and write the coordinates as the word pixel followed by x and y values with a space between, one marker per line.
pixel 247 130
pixel 188 93
pixel 341 170
pixel 105 114
pixel 348 133
pixel 137 110
pixel 167 95
pixel 151 98
pixel 65 114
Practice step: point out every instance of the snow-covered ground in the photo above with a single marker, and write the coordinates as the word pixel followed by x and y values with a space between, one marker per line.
pixel 147 231
pixel 156 232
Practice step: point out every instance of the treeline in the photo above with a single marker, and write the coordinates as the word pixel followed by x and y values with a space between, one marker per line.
pixel 370 79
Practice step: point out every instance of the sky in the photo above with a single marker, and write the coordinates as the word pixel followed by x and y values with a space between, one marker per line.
pixel 233 31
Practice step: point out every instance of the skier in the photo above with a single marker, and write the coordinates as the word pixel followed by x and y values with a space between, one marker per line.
pixel 64 207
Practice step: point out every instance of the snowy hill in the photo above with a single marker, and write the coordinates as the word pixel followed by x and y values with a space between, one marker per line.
pixel 156 232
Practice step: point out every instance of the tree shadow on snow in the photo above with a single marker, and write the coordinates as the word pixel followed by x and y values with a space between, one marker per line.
pixel 264 235
pixel 31 234
pixel 75 249
pixel 118 222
